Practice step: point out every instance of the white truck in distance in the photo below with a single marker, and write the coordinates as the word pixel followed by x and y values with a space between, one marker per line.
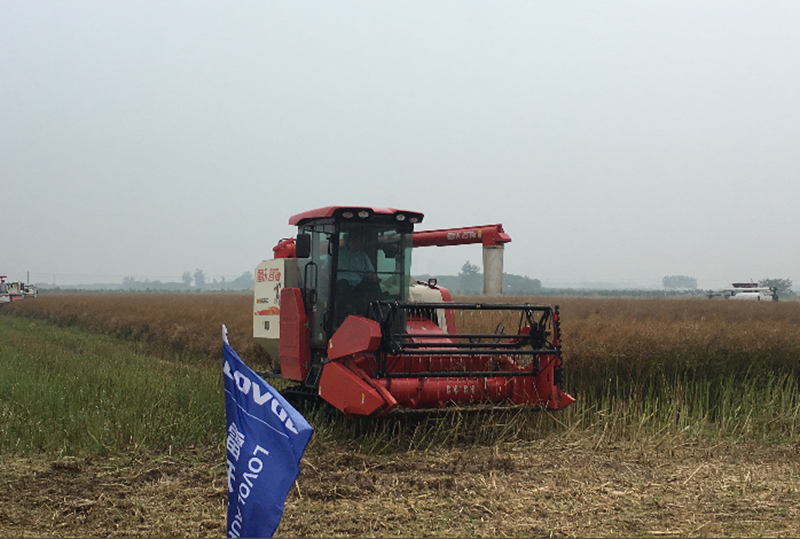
pixel 747 291
pixel 15 290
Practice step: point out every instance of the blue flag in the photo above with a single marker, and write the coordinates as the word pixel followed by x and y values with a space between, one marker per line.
pixel 266 439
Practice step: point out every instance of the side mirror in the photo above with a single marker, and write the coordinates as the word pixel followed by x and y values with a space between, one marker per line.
pixel 302 245
pixel 391 250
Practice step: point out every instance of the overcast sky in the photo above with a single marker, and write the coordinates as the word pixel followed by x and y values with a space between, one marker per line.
pixel 615 141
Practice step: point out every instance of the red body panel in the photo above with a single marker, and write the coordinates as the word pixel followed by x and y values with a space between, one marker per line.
pixel 285 249
pixel 348 392
pixel 438 392
pixel 294 349
pixel 328 211
pixel 486 235
pixel 356 334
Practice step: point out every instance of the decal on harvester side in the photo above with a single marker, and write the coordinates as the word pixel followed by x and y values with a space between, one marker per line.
pixel 466 235
pixel 268 274
pixel 271 310
pixel 465 389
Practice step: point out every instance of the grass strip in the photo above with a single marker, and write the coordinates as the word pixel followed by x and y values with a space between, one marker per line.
pixel 68 392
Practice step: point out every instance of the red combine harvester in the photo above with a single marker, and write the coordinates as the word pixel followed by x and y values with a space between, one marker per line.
pixel 338 313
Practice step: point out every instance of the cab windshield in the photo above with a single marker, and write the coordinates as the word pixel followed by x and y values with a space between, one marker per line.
pixel 373 262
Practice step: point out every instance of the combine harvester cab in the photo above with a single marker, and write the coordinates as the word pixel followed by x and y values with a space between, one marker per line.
pixel 339 314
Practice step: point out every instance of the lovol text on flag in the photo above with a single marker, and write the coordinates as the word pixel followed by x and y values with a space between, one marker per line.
pixel 266 438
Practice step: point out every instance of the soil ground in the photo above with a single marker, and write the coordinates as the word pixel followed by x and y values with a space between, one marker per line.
pixel 551 487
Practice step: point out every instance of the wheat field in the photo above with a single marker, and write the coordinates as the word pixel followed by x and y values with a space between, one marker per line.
pixel 725 367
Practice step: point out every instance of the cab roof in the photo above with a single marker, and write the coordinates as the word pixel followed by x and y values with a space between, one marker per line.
pixel 338 211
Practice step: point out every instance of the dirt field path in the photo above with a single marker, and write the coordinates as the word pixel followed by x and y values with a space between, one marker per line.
pixel 551 487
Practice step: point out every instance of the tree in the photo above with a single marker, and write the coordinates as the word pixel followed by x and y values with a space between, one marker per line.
pixel 199 278
pixel 187 278
pixel 244 281
pixel 518 283
pixel 468 270
pixel 470 277
pixel 679 282
pixel 783 287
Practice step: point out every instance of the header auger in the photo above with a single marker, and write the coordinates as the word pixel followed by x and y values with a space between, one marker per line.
pixel 340 315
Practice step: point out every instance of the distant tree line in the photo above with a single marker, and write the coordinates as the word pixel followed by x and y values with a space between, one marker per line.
pixel 783 287
pixel 196 280
pixel 679 282
pixel 469 282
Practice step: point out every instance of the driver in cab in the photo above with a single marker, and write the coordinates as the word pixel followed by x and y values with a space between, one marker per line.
pixel 357 280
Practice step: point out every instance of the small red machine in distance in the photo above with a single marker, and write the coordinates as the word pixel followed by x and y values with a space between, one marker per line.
pixel 339 314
